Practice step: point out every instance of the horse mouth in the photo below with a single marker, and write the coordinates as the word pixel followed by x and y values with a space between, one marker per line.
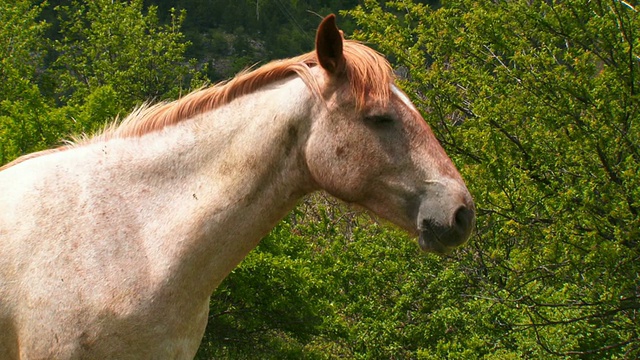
pixel 430 243
pixel 438 239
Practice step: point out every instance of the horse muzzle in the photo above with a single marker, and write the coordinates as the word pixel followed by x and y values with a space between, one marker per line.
pixel 446 222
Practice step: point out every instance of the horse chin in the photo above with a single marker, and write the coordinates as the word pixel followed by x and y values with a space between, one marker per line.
pixel 432 245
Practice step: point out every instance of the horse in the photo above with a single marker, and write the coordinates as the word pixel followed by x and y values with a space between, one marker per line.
pixel 111 245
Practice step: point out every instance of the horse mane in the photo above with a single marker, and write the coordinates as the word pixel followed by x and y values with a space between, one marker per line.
pixel 368 72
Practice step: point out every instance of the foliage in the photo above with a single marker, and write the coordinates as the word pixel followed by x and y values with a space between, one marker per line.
pixel 538 103
pixel 111 56
pixel 256 30
pixel 107 43
pixel 22 126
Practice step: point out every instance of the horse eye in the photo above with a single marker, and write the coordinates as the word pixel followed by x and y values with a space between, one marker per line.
pixel 379 120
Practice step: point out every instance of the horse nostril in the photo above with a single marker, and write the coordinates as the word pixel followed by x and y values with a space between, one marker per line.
pixel 463 219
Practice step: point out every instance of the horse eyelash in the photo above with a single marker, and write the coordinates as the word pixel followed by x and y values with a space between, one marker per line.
pixel 380 120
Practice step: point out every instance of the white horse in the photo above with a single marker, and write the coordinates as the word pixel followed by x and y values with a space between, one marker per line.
pixel 111 247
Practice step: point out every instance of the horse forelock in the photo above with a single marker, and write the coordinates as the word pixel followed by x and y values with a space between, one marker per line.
pixel 368 73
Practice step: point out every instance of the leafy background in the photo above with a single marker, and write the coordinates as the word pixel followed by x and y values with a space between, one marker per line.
pixel 535 101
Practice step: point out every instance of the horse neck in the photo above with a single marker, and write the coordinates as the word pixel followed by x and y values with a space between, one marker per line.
pixel 235 172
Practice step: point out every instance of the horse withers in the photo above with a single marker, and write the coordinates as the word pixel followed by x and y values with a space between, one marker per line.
pixel 111 247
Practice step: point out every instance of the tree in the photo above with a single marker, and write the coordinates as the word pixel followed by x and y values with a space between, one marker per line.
pixel 115 44
pixel 23 124
pixel 538 104
pixel 110 57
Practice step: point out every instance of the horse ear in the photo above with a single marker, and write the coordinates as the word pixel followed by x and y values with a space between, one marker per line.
pixel 329 45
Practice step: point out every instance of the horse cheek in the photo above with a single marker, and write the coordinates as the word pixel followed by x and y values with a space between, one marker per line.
pixel 334 169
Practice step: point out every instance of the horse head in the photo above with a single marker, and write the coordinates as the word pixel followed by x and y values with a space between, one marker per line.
pixel 370 146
